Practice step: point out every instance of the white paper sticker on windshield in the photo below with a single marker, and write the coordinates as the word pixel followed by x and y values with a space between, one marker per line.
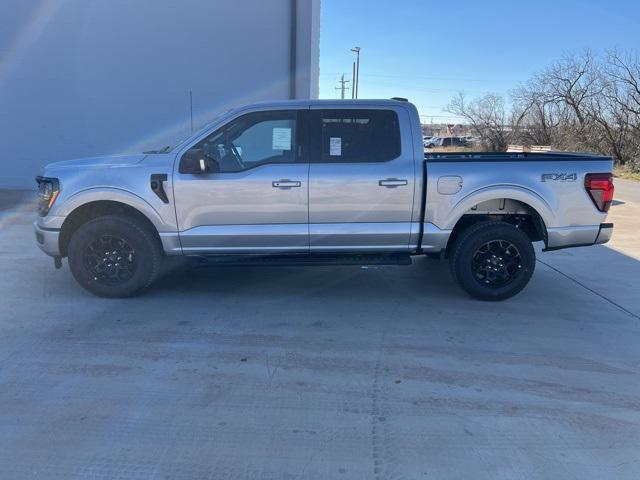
pixel 335 146
pixel 281 139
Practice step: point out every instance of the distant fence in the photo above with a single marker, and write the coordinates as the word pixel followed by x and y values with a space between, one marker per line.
pixel 528 148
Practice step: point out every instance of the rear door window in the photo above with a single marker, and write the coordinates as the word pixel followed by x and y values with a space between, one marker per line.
pixel 356 136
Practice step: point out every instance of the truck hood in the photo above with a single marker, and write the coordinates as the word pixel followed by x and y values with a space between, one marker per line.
pixel 105 161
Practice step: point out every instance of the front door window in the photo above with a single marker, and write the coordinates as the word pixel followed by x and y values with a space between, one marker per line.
pixel 252 140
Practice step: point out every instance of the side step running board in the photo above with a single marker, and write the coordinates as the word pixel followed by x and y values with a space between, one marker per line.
pixel 301 259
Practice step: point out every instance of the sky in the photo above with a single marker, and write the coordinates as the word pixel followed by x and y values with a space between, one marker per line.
pixel 427 50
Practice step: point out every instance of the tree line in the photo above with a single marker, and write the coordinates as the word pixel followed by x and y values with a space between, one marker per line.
pixel 581 102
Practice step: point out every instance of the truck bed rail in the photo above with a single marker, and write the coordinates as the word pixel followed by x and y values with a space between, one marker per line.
pixel 512 157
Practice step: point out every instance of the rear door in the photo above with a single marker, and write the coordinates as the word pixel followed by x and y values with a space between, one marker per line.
pixel 361 180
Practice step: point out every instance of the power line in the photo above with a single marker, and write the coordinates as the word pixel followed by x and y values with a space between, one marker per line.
pixel 446 79
pixel 441 116
pixel 422 88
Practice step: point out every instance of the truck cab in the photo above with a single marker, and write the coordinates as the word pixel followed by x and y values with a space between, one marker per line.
pixel 321 178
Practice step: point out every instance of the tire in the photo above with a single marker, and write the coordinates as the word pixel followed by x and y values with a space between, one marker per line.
pixel 478 262
pixel 115 256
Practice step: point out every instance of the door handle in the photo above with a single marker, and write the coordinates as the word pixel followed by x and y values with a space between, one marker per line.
pixel 286 184
pixel 393 183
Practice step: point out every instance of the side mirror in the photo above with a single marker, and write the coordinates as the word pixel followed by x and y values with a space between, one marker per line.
pixel 195 162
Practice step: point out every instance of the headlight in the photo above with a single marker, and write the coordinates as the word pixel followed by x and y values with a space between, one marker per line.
pixel 48 191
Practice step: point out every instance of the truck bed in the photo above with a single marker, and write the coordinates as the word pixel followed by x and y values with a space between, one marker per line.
pixel 550 186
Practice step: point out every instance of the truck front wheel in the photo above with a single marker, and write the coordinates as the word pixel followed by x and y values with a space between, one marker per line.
pixel 492 260
pixel 114 256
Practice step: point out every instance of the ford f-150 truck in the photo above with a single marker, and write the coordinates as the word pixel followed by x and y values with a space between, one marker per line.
pixel 319 182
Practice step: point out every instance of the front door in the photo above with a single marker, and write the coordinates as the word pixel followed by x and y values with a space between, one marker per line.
pixel 361 180
pixel 256 198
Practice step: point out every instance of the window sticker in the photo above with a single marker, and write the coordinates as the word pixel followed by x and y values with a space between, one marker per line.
pixel 335 146
pixel 281 139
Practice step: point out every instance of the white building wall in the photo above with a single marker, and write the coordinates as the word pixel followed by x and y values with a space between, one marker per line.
pixel 89 77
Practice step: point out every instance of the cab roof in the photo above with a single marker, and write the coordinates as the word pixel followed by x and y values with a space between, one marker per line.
pixel 332 102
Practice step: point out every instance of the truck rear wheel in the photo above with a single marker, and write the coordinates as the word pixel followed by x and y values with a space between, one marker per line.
pixel 492 260
pixel 113 256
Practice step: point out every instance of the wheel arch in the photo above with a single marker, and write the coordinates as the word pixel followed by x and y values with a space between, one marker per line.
pixel 520 207
pixel 99 208
pixel 525 196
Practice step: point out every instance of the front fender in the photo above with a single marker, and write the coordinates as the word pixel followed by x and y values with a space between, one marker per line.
pixel 164 220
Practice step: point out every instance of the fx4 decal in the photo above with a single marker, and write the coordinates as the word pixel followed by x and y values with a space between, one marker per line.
pixel 559 177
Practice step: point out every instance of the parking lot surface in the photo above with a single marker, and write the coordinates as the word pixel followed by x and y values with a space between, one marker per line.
pixel 322 372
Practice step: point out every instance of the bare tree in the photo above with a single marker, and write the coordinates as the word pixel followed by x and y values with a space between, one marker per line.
pixel 488 118
pixel 612 114
pixel 571 81
pixel 624 70
pixel 539 119
pixel 581 102
pixel 621 95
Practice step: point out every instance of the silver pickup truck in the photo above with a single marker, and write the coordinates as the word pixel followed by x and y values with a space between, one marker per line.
pixel 319 182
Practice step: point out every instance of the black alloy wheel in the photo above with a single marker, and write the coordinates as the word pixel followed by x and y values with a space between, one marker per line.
pixel 496 263
pixel 110 259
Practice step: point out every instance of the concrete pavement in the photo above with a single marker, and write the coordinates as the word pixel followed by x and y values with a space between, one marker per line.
pixel 627 190
pixel 612 270
pixel 321 373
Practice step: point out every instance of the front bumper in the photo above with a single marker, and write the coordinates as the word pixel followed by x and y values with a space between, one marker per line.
pixel 47 239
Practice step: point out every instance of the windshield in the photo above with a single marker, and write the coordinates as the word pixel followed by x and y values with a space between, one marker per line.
pixel 185 138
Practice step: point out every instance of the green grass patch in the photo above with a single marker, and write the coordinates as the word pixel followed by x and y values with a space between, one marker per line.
pixel 626 174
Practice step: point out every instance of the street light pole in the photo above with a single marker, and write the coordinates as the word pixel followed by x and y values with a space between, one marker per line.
pixel 353 83
pixel 356 81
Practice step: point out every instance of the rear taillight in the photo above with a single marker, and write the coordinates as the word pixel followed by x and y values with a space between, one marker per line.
pixel 600 189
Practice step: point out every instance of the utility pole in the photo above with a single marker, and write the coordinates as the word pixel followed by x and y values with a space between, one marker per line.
pixel 343 86
pixel 356 72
